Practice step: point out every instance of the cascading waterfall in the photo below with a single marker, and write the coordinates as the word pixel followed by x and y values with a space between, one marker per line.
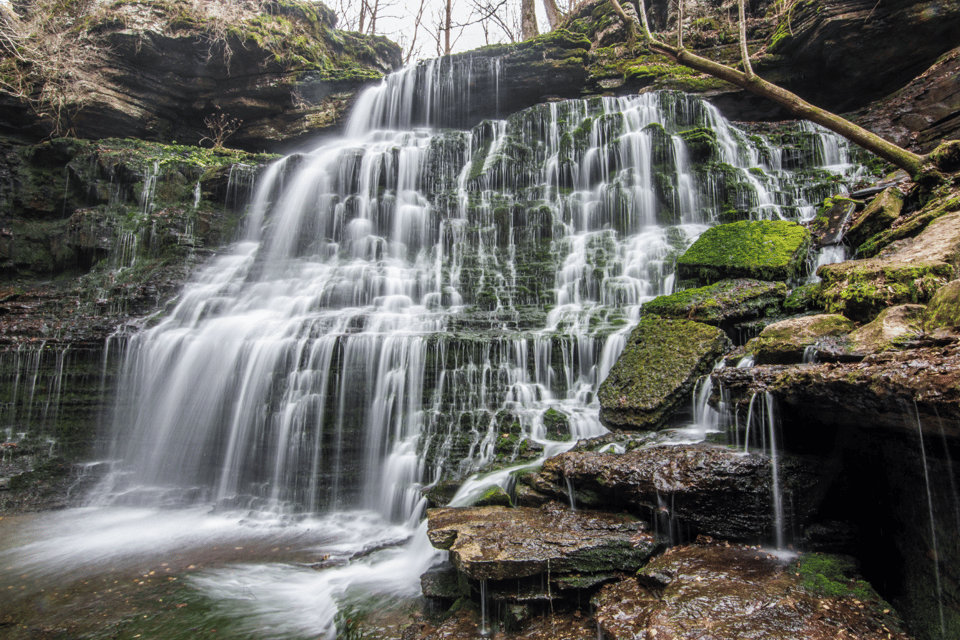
pixel 408 298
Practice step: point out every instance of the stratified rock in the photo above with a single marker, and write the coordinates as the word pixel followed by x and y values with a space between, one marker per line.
pixel 498 543
pixel 762 250
pixel 892 329
pixel 708 489
pixel 656 371
pixel 734 591
pixel 878 216
pixel 721 304
pixel 943 311
pixel 786 341
pixel 945 202
pixel 910 272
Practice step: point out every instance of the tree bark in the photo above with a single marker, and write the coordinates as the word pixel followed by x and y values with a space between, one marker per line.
pixel 744 52
pixel 528 20
pixel 447 28
pixel 911 162
pixel 553 13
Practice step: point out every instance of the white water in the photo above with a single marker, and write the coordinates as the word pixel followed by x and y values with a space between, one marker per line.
pixel 401 294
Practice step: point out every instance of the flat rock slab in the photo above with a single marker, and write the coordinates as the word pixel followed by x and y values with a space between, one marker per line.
pixel 729 301
pixel 762 250
pixel 655 373
pixel 719 592
pixel 709 489
pixel 496 543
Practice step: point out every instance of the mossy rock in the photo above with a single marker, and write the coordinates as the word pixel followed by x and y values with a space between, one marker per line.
pixel 785 342
pixel 943 310
pixel 701 144
pixel 833 576
pixel 657 370
pixel 772 250
pixel 725 302
pixel 495 496
pixel 878 216
pixel 942 204
pixel 801 299
pixel 893 329
pixel 827 226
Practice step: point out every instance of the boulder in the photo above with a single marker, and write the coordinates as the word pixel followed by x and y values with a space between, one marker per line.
pixel 655 373
pixel 786 342
pixel 735 591
pixel 892 329
pixel 496 543
pixel 827 226
pixel 943 310
pixel 912 225
pixel 762 250
pixel 910 271
pixel 878 216
pixel 721 304
pixel 702 488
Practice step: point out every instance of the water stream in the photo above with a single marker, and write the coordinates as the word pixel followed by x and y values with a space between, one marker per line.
pixel 409 304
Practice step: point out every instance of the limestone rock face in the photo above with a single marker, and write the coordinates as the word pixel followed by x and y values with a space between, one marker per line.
pixel 733 591
pixel 707 489
pixel 785 342
pixel 908 272
pixel 858 41
pixel 762 250
pixel 497 543
pixel 656 371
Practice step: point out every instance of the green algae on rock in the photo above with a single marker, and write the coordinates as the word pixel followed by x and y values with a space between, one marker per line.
pixel 658 368
pixel 784 342
pixel 763 250
pixel 728 301
pixel 878 216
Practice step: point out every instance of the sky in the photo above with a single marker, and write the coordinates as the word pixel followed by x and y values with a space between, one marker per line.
pixel 396 21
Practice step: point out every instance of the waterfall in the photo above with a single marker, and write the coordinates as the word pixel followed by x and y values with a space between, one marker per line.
pixel 408 305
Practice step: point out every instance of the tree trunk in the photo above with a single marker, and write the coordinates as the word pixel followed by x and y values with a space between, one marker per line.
pixel 528 20
pixel 744 52
pixel 553 13
pixel 911 162
pixel 447 28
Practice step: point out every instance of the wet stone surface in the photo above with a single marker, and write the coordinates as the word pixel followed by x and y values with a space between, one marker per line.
pixel 499 543
pixel 722 591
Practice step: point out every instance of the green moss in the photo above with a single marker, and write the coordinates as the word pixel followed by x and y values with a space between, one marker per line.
pixel 762 250
pixel 726 301
pixel 662 360
pixel 833 576
pixel 944 308
pixel 801 299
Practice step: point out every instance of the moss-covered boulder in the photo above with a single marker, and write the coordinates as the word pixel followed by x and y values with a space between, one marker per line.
pixel 762 250
pixel 943 203
pixel 656 371
pixel 892 329
pixel 725 302
pixel 908 273
pixel 943 311
pixel 878 216
pixel 493 543
pixel 785 342
pixel 802 298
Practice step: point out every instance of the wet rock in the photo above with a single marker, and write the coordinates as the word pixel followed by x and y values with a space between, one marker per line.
pixel 943 203
pixel 878 216
pixel 908 272
pixel 734 591
pixel 721 304
pixel 705 489
pixel 786 342
pixel 894 328
pixel 827 226
pixel 497 543
pixel 657 370
pixel 443 582
pixel 763 250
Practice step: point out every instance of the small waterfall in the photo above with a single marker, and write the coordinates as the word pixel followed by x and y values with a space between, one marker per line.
pixel 933 524
pixel 765 438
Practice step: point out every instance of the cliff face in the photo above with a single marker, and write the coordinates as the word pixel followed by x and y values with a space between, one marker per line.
pixel 159 70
